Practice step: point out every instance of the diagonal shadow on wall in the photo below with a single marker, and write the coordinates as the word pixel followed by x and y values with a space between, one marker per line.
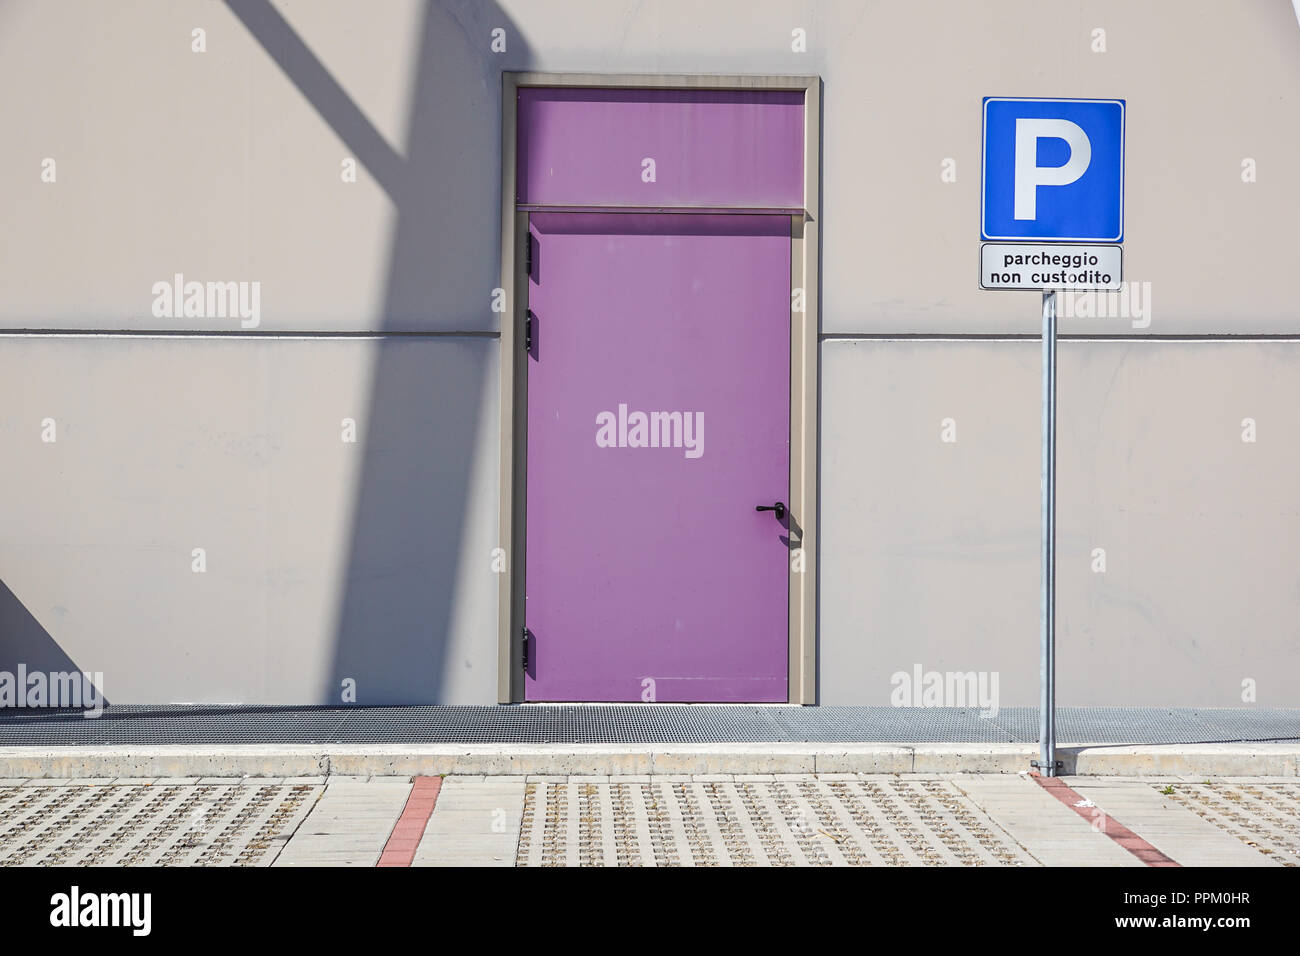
pixel 27 642
pixel 430 384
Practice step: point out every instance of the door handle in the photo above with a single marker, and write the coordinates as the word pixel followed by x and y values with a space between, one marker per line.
pixel 779 508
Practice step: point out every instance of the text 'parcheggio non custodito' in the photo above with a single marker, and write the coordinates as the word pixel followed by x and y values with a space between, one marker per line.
pixel 1032 267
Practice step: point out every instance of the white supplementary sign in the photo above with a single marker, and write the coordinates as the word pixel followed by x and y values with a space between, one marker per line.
pixel 1034 267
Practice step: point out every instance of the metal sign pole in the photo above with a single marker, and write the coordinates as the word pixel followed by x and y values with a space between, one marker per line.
pixel 1047 667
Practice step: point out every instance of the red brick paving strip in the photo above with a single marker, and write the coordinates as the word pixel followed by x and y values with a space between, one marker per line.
pixel 1121 834
pixel 402 842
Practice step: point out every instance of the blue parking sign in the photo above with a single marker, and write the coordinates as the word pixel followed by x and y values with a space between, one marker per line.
pixel 1053 170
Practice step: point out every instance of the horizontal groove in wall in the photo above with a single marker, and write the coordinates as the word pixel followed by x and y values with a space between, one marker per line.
pixel 682 210
pixel 824 337
pixel 242 334
pixel 1061 336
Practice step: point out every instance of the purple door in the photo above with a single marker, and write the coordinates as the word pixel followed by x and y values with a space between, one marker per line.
pixel 658 419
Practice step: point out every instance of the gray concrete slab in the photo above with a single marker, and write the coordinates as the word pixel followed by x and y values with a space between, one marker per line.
pixel 1168 826
pixel 349 824
pixel 287 761
pixel 1050 831
pixel 476 822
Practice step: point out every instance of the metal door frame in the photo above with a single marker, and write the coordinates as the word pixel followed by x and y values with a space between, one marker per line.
pixel 805 327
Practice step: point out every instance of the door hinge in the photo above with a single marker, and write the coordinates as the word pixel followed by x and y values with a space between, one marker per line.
pixel 528 331
pixel 523 643
pixel 528 256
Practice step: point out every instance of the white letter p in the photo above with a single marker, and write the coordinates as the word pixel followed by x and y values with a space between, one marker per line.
pixel 1029 175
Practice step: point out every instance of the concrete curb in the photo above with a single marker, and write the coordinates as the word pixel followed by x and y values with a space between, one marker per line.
pixel 288 760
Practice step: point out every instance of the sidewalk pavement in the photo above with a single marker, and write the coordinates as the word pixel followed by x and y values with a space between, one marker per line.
pixel 718 819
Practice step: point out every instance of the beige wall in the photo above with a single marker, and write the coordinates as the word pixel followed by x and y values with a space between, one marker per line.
pixel 930 555
pixel 218 166
pixel 326 557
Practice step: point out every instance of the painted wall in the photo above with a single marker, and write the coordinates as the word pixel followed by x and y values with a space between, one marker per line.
pixel 930 548
pixel 326 558
pixel 322 559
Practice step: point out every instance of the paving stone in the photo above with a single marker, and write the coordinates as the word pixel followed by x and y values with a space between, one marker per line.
pixel 348 825
pixel 718 820
pixel 828 819
pixel 1167 824
pixel 139 824
pixel 1049 831
pixel 1264 817
pixel 477 822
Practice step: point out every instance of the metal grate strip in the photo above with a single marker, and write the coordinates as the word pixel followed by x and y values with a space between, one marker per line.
pixel 127 725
